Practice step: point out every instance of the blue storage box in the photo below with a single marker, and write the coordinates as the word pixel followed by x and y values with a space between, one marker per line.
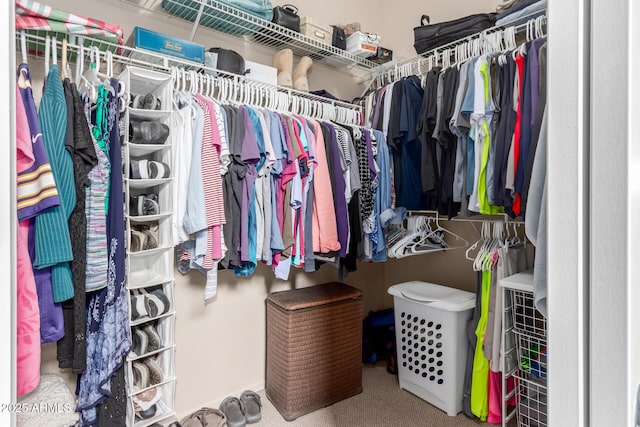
pixel 167 45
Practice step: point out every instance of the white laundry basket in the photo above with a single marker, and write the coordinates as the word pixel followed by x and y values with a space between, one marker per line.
pixel 431 341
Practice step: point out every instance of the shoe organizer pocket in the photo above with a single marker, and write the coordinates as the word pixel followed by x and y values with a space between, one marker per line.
pixel 147 204
pixel 150 236
pixel 152 338
pixel 150 268
pixel 151 88
pixel 150 406
pixel 154 165
pixel 149 128
pixel 151 303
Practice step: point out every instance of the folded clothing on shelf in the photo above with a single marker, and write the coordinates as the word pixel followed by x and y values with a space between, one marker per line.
pixel 522 15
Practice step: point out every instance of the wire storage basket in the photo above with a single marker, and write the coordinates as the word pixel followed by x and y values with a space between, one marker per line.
pixel 532 401
pixel 526 319
pixel 532 356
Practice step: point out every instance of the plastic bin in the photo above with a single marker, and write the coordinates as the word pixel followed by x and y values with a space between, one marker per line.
pixel 431 341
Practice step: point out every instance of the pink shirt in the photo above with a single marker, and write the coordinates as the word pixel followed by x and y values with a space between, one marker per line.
pixel 325 229
pixel 28 316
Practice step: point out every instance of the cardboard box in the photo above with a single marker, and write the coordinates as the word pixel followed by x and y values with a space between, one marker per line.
pixel 144 39
pixel 316 31
pixel 261 73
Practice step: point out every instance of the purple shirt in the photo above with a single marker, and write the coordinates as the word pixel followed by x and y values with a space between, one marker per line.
pixel 342 214
pixel 250 155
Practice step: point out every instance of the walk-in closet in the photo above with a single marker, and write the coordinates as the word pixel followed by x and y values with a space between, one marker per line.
pixel 234 212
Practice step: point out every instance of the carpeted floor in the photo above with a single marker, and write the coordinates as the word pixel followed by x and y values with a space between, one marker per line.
pixel 381 404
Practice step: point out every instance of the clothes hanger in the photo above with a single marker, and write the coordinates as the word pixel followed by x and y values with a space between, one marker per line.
pixel 413 233
pixel 64 65
pixel 438 234
pixel 23 46
pixel 47 48
pixel 482 240
pixel 486 232
pixel 496 242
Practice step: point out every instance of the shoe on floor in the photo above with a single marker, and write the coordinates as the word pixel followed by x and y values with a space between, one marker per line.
pixel 234 412
pixel 252 406
pixel 209 417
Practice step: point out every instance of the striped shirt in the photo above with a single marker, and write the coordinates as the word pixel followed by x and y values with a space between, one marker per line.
pixel 95 209
pixel 211 181
pixel 37 189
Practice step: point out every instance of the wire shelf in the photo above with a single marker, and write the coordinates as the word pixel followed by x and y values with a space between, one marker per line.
pixel 532 402
pixel 526 319
pixel 35 40
pixel 221 17
pixel 420 63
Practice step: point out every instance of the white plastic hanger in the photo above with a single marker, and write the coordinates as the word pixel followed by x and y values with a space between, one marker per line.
pixel 65 70
pixel 47 48
pixel 439 234
pixel 23 46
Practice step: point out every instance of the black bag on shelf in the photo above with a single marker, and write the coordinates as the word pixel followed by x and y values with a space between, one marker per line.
pixel 427 37
pixel 287 16
pixel 225 60
pixel 382 55
pixel 339 38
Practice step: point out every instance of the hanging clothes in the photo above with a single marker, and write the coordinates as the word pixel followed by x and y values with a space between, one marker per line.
pixel 72 347
pixel 28 312
pixel 37 193
pixel 53 242
pixel 108 333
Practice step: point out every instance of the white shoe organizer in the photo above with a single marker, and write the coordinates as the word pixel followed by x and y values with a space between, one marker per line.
pixel 150 269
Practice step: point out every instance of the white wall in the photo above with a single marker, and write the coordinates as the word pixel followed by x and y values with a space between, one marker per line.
pixel 221 345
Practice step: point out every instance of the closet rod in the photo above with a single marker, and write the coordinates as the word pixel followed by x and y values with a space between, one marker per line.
pixel 415 62
pixel 126 55
pixel 478 219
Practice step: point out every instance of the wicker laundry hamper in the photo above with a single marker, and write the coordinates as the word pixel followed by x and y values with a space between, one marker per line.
pixel 314 347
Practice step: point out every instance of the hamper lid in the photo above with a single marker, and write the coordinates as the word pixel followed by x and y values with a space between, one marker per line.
pixel 436 296
pixel 313 296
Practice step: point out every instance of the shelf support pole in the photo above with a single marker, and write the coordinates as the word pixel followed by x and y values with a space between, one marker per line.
pixel 196 23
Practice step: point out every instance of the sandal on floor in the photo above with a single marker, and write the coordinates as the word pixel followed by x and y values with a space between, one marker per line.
pixel 149 169
pixel 209 417
pixel 252 405
pixel 234 412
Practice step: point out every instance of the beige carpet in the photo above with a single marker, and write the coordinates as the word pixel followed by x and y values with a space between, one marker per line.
pixel 381 404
